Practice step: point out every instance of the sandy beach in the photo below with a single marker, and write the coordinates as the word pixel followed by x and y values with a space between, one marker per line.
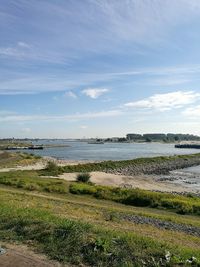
pixel 146 182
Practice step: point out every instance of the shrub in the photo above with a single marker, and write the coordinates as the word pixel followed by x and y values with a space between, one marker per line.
pixel 53 169
pixel 82 189
pixel 138 200
pixel 139 197
pixel 83 177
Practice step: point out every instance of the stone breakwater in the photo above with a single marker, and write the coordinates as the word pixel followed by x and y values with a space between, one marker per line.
pixel 157 168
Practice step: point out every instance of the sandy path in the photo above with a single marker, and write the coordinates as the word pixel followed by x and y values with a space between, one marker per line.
pixel 22 256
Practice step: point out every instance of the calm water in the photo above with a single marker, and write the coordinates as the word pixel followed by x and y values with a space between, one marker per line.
pixel 108 151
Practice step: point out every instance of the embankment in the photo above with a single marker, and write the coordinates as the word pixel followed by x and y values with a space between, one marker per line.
pixel 156 165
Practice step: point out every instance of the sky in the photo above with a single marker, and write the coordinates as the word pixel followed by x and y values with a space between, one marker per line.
pixel 99 68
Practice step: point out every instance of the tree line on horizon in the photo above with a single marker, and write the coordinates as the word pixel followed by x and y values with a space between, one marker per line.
pixel 169 137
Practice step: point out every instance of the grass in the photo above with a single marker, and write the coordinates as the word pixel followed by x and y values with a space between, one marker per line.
pixel 9 159
pixel 50 226
pixel 30 180
pixel 76 242
pixel 142 198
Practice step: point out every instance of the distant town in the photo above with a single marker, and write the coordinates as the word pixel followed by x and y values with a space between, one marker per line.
pixel 130 137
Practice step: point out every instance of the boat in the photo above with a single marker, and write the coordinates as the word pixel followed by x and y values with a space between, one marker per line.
pixel 35 147
pixel 23 147
pixel 188 144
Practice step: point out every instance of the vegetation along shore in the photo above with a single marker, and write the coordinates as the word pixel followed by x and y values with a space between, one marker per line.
pixel 155 165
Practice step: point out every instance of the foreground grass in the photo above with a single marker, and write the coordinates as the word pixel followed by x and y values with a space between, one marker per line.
pixel 53 225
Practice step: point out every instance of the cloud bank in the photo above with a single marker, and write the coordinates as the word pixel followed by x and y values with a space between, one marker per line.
pixel 167 101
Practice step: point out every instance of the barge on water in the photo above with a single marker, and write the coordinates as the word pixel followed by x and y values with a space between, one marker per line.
pixel 195 145
pixel 23 147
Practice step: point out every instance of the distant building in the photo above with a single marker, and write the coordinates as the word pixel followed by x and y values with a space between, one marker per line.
pixel 133 137
pixel 154 136
pixel 114 139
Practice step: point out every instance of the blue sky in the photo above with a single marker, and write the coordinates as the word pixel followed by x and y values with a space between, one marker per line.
pixel 98 68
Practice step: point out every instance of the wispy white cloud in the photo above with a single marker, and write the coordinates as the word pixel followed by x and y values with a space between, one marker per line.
pixel 70 94
pixel 49 82
pixel 95 92
pixel 73 117
pixel 83 127
pixel 20 50
pixel 23 44
pixel 169 80
pixel 10 51
pixel 118 23
pixel 167 101
pixel 192 112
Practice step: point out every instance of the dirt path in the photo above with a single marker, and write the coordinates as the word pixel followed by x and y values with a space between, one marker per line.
pixel 23 256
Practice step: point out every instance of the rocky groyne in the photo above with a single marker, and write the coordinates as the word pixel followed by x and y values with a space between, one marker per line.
pixel 160 167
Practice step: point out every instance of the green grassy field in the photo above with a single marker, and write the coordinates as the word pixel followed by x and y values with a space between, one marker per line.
pixel 87 230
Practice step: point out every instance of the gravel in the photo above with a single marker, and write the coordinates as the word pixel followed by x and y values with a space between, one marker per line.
pixel 188 229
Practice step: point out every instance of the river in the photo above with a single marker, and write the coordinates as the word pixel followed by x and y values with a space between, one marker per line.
pixel 108 151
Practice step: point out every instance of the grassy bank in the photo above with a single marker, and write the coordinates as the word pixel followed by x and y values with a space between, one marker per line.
pixel 142 198
pixel 77 230
pixel 30 180
pixel 76 242
pixel 11 159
